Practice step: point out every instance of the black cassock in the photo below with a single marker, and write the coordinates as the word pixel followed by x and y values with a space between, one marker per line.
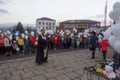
pixel 42 44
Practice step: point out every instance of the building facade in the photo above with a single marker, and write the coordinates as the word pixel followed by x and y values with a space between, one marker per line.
pixel 80 25
pixel 46 23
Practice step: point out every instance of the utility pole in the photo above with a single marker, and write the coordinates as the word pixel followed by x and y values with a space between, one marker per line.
pixel 105 15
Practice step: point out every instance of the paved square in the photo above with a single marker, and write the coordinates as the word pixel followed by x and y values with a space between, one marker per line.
pixel 60 66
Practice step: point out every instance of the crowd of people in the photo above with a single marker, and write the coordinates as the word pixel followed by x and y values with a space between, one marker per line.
pixel 25 43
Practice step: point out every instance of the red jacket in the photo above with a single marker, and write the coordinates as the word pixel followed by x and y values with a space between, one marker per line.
pixel 58 40
pixel 104 45
pixel 55 40
pixel 33 40
pixel 2 41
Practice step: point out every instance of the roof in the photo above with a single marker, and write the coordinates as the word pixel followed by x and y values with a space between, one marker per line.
pixel 45 18
pixel 73 21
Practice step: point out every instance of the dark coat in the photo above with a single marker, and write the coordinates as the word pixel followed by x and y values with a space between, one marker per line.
pixel 93 41
pixel 40 50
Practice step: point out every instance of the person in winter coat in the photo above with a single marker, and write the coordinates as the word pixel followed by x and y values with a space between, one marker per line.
pixel 27 44
pixel 7 45
pixel 33 41
pixel 93 44
pixel 41 46
pixel 104 47
pixel 58 40
pixel 81 41
pixel 55 42
pixel 1 45
pixel 14 47
pixel 21 45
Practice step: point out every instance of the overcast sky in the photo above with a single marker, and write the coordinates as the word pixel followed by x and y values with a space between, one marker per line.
pixel 27 11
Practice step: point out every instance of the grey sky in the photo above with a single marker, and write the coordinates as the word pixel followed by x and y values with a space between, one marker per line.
pixel 27 11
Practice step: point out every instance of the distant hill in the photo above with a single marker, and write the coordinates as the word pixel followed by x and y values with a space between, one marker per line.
pixel 11 26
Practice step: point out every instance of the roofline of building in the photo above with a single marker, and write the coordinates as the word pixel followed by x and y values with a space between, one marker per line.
pixel 45 18
pixel 80 21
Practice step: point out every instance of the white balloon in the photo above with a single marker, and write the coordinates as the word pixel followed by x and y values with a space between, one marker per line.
pixel 112 41
pixel 8 32
pixel 49 32
pixel 107 33
pixel 10 37
pixel 74 29
pixel 116 30
pixel 32 33
pixel 111 15
pixel 58 31
pixel 17 38
pixel 26 37
pixel 117 46
pixel 16 34
pixel 100 38
pixel 62 33
pixel 26 32
pixel 71 35
pixel 2 35
pixel 17 49
pixel 115 14
pixel 5 33
pixel 36 43
pixel 37 38
pixel 85 36
pixel 23 35
pixel 116 5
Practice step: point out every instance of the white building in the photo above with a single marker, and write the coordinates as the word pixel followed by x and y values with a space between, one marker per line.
pixel 46 23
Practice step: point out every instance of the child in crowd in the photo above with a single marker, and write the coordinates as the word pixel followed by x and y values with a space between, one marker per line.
pixel 33 41
pixel 104 47
pixel 1 45
pixel 21 45
pixel 14 47
pixel 7 45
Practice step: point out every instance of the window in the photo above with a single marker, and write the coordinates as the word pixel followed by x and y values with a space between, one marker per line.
pixel 49 23
pixel 40 23
pixel 43 27
pixel 53 23
pixel 43 23
pixel 46 23
pixel 49 27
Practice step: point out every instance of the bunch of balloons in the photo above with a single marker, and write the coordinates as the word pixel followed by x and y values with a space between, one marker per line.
pixel 112 34
pixel 115 13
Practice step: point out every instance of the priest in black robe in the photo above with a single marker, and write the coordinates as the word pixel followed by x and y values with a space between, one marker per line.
pixel 41 46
